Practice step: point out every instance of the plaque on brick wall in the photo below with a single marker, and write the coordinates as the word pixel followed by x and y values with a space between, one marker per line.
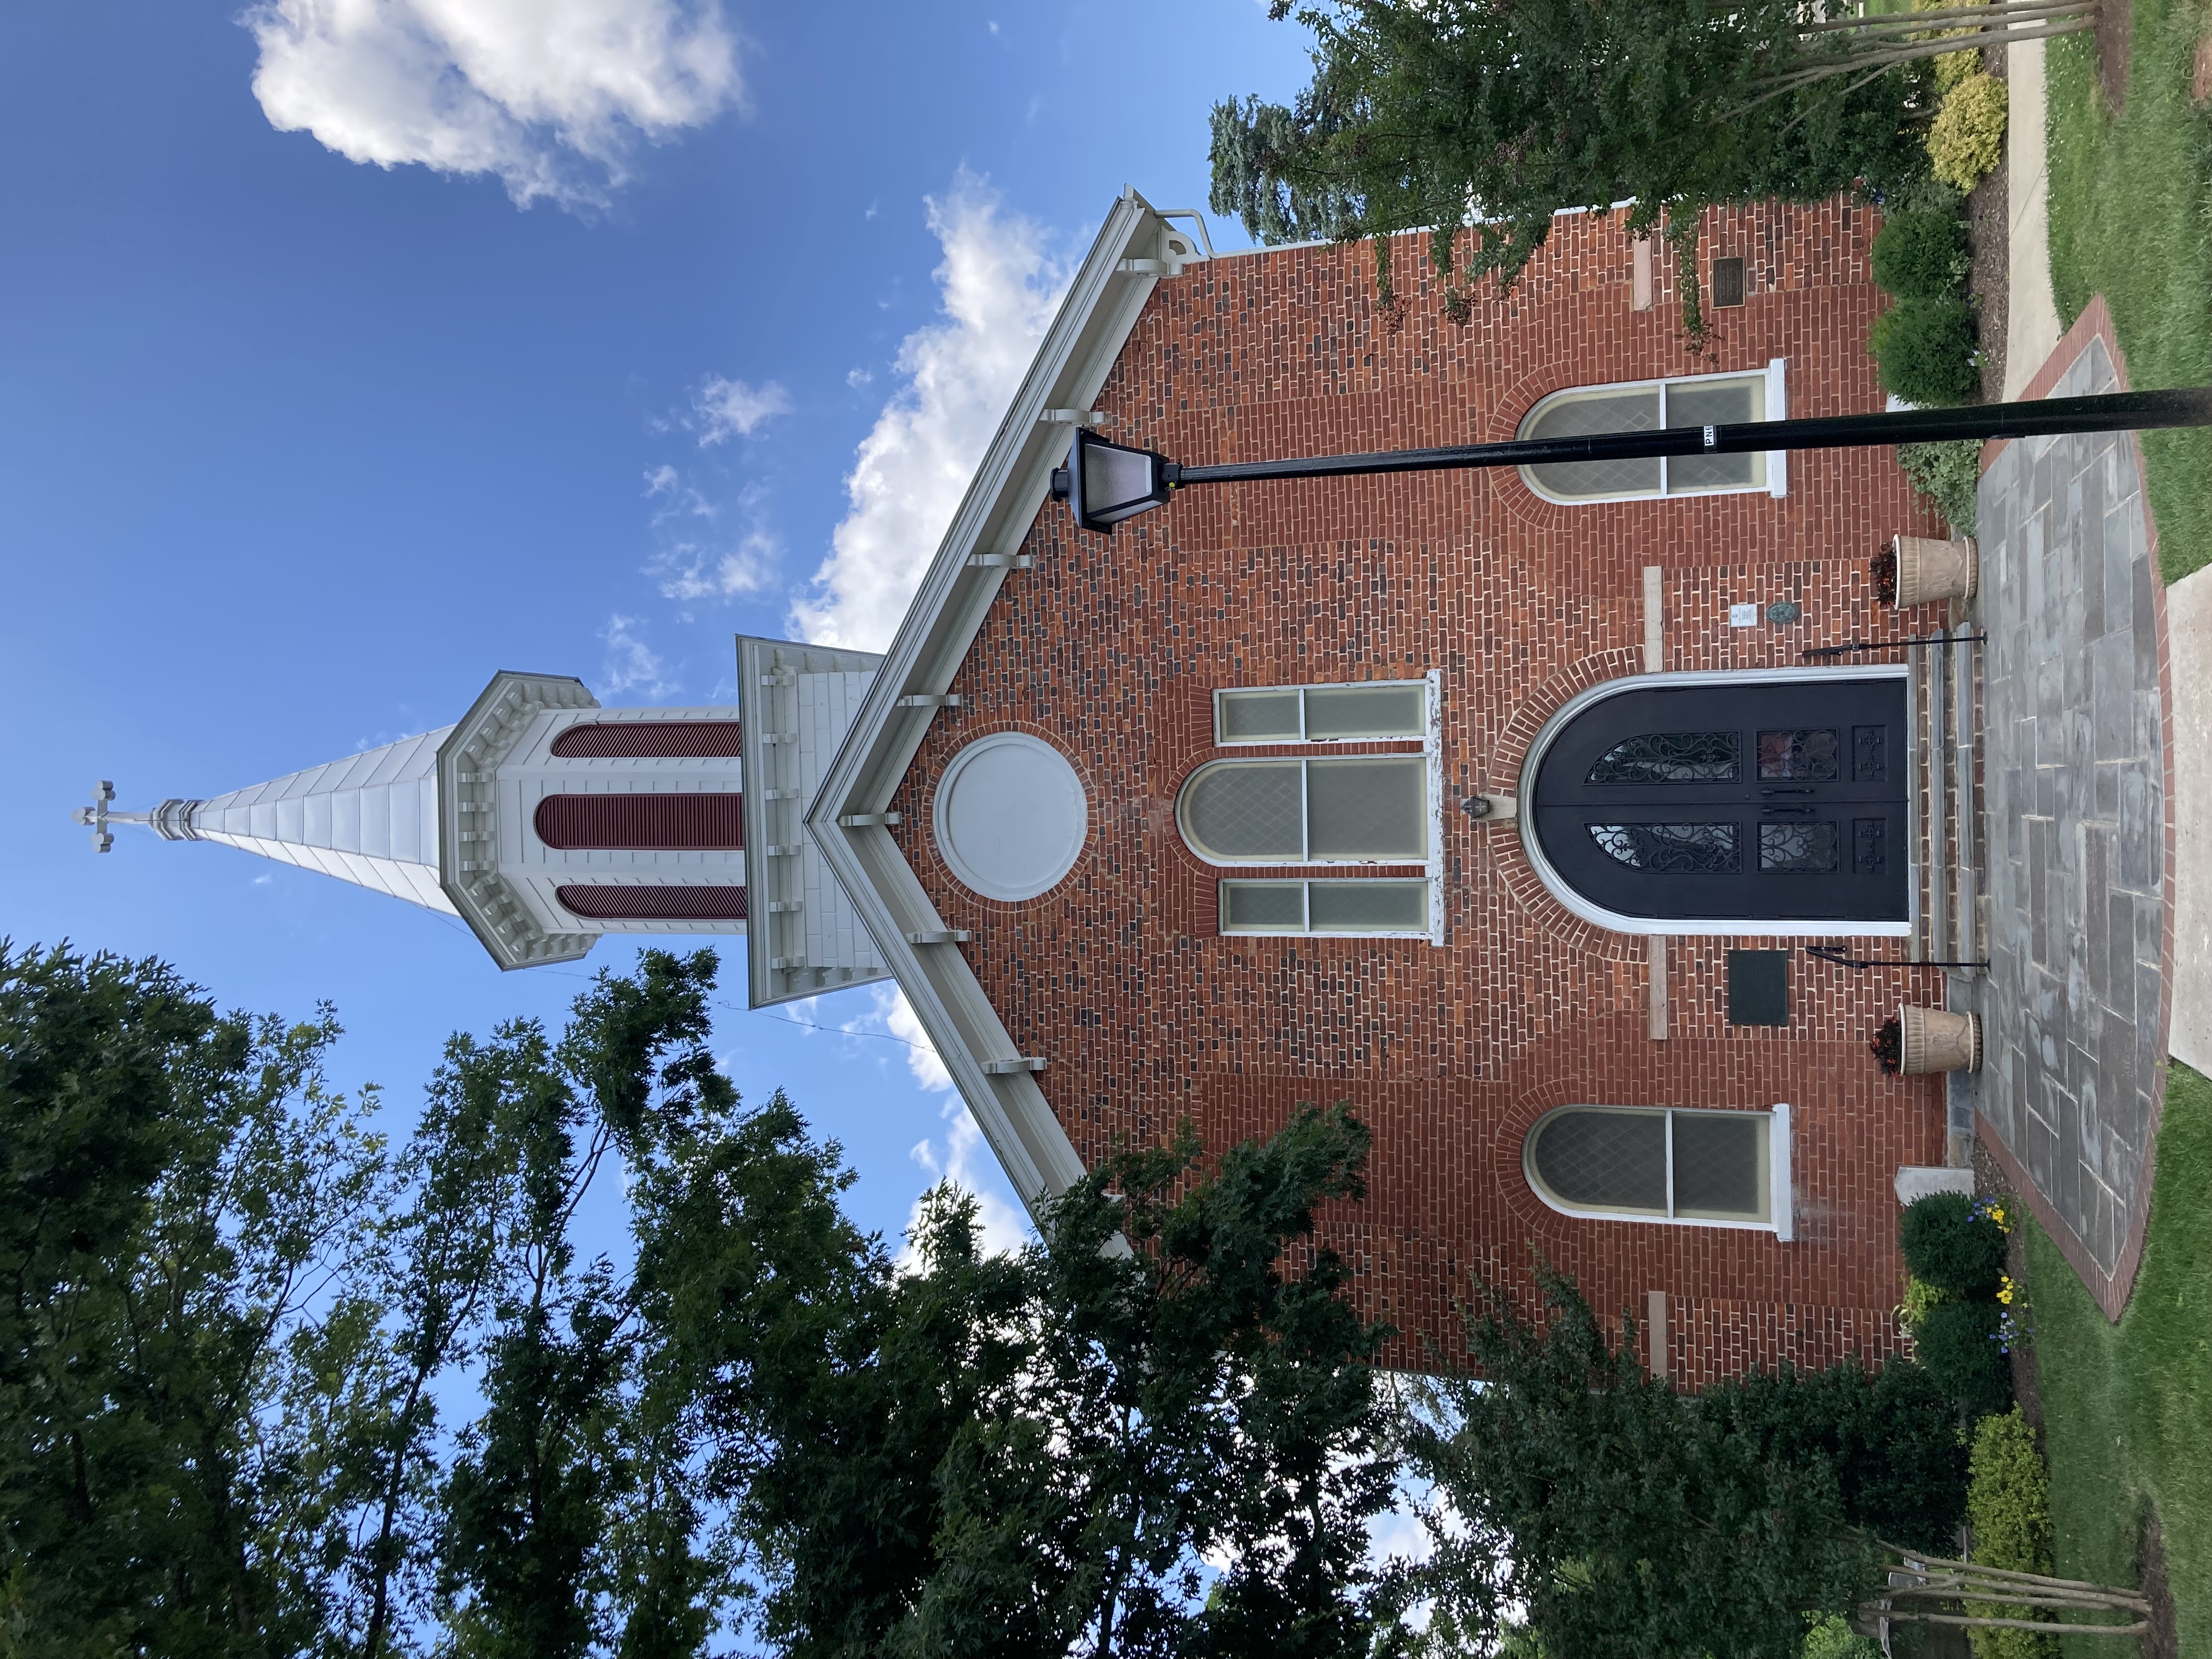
pixel 1759 988
pixel 1727 282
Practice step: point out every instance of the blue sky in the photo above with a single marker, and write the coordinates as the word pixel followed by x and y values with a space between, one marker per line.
pixel 665 322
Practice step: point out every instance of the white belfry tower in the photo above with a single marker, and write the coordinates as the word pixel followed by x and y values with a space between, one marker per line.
pixel 543 820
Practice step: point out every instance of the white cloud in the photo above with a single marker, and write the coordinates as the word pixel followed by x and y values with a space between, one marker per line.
pixel 1001 284
pixel 963 1159
pixel 631 664
pixel 689 568
pixel 732 409
pixel 550 97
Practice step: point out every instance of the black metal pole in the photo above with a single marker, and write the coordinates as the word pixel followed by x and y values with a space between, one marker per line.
pixel 2117 411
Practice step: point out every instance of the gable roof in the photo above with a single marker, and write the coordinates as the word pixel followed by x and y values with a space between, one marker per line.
pixel 1135 247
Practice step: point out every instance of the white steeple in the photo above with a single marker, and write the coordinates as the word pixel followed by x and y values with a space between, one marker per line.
pixel 371 819
pixel 544 821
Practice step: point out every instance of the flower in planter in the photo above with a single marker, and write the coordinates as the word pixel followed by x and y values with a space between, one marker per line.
pixel 1889 1046
pixel 1883 569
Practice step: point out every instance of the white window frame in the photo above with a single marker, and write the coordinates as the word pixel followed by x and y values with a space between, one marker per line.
pixel 1433 752
pixel 1222 740
pixel 1775 483
pixel 1305 906
pixel 1305 828
pixel 1781 1214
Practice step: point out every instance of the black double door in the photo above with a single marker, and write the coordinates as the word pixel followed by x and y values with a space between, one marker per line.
pixel 1780 800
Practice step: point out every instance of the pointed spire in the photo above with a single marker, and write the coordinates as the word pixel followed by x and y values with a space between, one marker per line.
pixel 371 819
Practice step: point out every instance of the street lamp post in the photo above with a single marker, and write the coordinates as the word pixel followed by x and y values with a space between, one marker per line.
pixel 1105 484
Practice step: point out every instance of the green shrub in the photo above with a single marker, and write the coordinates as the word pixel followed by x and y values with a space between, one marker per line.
pixel 1922 255
pixel 1968 135
pixel 1950 1247
pixel 1957 1346
pixel 1953 67
pixel 1833 1638
pixel 1948 474
pixel 1892 1441
pixel 1919 1296
pixel 1924 351
pixel 2009 1504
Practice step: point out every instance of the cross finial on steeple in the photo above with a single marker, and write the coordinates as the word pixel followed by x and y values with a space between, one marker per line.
pixel 96 817
pixel 171 820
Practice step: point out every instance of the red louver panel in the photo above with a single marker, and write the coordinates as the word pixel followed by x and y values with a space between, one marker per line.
pixel 655 903
pixel 649 740
pixel 643 823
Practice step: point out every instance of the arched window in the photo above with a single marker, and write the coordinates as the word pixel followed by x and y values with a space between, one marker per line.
pixel 649 740
pixel 641 823
pixel 665 901
pixel 1369 809
pixel 1659 1164
pixel 1647 406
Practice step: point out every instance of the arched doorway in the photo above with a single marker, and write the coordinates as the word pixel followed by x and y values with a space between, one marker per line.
pixel 1751 802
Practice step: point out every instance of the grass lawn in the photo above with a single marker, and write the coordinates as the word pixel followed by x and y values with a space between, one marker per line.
pixel 2131 219
pixel 2128 1408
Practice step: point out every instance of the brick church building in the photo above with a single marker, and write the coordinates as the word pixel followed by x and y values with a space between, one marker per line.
pixel 1500 805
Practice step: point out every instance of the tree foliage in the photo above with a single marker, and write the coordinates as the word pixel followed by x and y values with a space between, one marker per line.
pixel 272 1386
pixel 1457 113
pixel 1616 1515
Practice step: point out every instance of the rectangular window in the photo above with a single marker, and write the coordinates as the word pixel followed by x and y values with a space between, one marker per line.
pixel 1378 711
pixel 1353 908
pixel 1696 401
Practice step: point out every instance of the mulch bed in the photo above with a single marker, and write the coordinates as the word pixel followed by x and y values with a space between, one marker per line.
pixel 2115 26
pixel 1989 240
pixel 2160 1643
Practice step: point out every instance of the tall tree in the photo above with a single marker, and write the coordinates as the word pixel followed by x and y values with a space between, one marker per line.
pixel 1478 121
pixel 181 1189
pixel 1622 1520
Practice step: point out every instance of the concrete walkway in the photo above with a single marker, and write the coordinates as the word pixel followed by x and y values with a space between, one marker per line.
pixel 2189 647
pixel 2031 326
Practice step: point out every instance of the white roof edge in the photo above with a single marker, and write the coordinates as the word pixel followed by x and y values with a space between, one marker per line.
pixel 1009 485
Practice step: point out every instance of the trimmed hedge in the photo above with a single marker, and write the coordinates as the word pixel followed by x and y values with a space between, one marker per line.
pixel 1923 351
pixel 2009 1503
pixel 1968 134
pixel 1922 255
pixel 1947 1245
pixel 1957 1346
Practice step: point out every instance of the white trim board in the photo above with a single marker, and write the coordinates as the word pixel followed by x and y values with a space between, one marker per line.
pixel 1008 489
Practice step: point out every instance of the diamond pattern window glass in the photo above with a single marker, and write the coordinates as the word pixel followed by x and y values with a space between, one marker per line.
pixel 1382 711
pixel 1654 1162
pixel 1247 811
pixel 1373 809
pixel 1698 400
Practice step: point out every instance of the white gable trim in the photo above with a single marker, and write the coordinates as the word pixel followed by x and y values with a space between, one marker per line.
pixel 1010 486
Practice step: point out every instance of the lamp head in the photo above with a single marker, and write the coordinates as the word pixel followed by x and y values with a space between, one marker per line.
pixel 1103 483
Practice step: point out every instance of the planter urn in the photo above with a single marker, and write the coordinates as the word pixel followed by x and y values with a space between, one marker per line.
pixel 1929 571
pixel 1936 1040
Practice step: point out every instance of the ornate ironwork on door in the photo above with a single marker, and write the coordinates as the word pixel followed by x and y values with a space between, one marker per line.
pixel 1758 800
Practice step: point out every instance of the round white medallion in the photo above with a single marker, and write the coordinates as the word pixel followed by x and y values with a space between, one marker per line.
pixel 1012 816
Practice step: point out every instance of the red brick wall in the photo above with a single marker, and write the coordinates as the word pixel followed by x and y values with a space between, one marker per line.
pixel 1109 649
